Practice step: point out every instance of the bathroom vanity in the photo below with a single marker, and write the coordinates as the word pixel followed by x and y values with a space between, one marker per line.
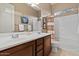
pixel 31 45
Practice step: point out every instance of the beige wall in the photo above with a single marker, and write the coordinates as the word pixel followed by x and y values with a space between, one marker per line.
pixel 45 6
pixel 25 9
pixel 45 9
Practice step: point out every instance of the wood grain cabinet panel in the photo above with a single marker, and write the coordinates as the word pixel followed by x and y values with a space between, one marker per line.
pixel 23 49
pixel 40 53
pixel 40 47
pixel 27 51
pixel 39 41
pixel 47 45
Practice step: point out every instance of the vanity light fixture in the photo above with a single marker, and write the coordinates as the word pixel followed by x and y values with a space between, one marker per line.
pixel 34 6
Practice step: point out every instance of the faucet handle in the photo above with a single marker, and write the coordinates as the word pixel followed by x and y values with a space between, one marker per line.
pixel 15 35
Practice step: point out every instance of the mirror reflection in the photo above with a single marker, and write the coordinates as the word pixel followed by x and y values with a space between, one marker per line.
pixel 18 18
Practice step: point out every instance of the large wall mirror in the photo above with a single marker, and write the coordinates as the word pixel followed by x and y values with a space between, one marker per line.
pixel 12 20
pixel 6 18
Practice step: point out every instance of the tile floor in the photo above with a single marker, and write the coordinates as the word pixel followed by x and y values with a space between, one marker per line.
pixel 63 53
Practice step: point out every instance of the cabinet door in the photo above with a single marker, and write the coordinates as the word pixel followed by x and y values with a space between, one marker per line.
pixel 27 51
pixel 40 53
pixel 47 45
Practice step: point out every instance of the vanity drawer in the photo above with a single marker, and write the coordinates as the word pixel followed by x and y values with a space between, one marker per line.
pixel 40 53
pixel 40 47
pixel 39 41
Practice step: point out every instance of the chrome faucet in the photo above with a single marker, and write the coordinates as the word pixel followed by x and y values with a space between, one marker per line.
pixel 15 35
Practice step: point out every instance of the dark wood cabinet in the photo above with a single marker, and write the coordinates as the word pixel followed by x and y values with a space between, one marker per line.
pixel 38 47
pixel 40 53
pixel 26 49
pixel 47 45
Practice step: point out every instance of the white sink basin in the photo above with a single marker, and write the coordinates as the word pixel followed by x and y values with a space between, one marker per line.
pixel 5 39
pixel 23 36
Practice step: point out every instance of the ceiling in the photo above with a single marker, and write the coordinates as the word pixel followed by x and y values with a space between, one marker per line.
pixel 55 6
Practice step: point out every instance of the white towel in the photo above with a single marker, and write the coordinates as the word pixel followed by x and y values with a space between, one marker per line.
pixel 21 27
pixel 29 27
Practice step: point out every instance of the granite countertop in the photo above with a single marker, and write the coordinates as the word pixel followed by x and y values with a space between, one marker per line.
pixel 8 41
